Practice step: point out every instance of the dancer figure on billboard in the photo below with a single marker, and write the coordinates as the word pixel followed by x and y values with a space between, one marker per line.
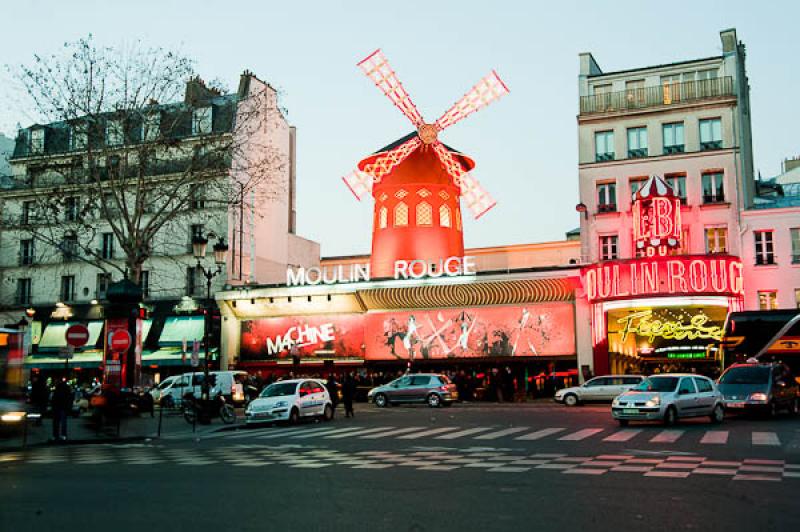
pixel 522 329
pixel 411 332
pixel 392 331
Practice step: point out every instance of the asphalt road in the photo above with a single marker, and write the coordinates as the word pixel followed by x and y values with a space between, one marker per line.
pixel 469 467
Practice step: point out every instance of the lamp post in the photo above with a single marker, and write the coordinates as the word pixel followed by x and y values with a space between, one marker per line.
pixel 199 246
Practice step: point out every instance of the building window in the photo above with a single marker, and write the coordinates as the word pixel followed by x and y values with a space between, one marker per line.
pixel 23 296
pixel 383 214
pixel 69 247
pixel 107 249
pixel 767 300
pixel 606 197
pixel 673 138
pixel 444 216
pixel 78 136
pixel 685 243
pixel 797 297
pixel 401 215
pixel 144 283
pixel 71 209
pixel 765 251
pixel 671 86
pixel 678 184
pixel 197 196
pixel 195 232
pixel 713 187
pixel 26 252
pixel 201 121
pixel 636 184
pixel 103 280
pixel 458 219
pixel 634 92
pixel 37 141
pixel 637 142
pixel 67 288
pixel 424 213
pixel 604 146
pixel 716 239
pixel 194 281
pixel 28 212
pixel 114 133
pixel 795 234
pixel 151 127
pixel 711 134
pixel 113 164
pixel 608 247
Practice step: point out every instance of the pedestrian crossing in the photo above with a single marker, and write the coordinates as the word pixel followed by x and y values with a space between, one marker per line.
pixel 655 436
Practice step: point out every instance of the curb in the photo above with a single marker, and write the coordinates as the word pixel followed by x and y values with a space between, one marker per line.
pixel 85 441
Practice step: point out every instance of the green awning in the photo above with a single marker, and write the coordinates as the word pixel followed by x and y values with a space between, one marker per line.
pixel 171 356
pixel 180 328
pixel 85 360
pixel 54 335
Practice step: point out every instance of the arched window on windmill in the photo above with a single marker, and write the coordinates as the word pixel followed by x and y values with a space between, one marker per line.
pixel 424 213
pixel 400 215
pixel 383 215
pixel 458 219
pixel 444 216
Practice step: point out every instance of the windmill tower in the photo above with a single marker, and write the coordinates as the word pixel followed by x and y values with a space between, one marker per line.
pixel 418 182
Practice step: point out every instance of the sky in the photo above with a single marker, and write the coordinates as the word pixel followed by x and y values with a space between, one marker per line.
pixel 525 145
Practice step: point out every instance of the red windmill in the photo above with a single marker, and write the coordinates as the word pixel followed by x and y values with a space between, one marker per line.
pixel 417 181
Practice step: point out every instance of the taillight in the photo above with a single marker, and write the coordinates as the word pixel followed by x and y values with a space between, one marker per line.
pixel 443 388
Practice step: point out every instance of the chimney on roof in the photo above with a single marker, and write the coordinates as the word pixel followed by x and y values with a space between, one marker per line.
pixel 244 83
pixel 197 93
pixel 791 163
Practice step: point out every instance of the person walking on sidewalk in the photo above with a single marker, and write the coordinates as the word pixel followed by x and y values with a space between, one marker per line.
pixel 348 394
pixel 62 402
pixel 333 390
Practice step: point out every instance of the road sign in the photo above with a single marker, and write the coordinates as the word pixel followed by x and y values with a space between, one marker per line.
pixel 120 341
pixel 77 335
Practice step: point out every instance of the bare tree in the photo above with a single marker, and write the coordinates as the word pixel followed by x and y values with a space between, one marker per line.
pixel 133 140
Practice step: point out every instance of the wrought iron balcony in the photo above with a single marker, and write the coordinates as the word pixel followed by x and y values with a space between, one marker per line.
pixel 658 96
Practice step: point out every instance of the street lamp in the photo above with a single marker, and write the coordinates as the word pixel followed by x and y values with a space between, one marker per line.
pixel 199 246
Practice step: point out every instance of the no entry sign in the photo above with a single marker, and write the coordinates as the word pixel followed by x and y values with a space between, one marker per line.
pixel 120 340
pixel 77 335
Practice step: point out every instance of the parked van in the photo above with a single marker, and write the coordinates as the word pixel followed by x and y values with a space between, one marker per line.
pixel 230 384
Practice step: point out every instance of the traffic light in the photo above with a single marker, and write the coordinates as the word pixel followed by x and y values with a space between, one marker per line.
pixel 139 313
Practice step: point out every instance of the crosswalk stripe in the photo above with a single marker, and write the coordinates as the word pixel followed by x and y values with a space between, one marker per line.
pixel 322 432
pixel 766 438
pixel 719 437
pixel 539 434
pixel 461 433
pixel 501 433
pixel 394 432
pixel 623 435
pixel 279 434
pixel 580 435
pixel 250 433
pixel 667 436
pixel 424 433
pixel 357 433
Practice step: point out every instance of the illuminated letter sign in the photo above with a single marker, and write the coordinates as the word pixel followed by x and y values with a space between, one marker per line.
pixel 643 325
pixel 656 218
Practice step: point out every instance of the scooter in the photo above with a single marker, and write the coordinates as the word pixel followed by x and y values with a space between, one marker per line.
pixel 203 411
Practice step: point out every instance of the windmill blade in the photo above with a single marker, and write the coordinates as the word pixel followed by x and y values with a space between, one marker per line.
pixel 377 68
pixel 478 200
pixel 385 162
pixel 359 183
pixel 450 163
pixel 487 90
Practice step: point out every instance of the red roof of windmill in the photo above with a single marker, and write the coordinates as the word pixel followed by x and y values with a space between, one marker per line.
pixel 374 168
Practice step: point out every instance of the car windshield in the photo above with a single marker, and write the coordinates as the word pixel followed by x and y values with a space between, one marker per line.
pixel 657 384
pixel 279 389
pixel 746 375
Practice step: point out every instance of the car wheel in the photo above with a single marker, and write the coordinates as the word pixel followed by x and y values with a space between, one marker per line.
pixel 623 422
pixel 718 414
pixel 670 416
pixel 381 400
pixel 327 414
pixel 294 417
pixel 434 401
pixel 571 399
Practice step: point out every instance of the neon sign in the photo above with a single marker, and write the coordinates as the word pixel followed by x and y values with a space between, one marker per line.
pixel 403 269
pixel 656 218
pixel 679 275
pixel 643 325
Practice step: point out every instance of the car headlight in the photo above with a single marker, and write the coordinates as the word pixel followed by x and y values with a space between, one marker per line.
pixel 280 403
pixel 759 397
pixel 615 402
pixel 13 417
pixel 653 401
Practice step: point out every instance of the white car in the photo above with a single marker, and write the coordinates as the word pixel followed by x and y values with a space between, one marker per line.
pixel 290 400
pixel 604 388
pixel 668 397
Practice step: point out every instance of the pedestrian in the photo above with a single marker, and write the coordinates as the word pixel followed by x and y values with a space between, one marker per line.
pixel 61 404
pixel 333 390
pixel 348 394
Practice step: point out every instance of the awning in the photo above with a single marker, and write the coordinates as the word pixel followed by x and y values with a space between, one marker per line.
pixel 54 335
pixel 86 360
pixel 179 328
pixel 173 357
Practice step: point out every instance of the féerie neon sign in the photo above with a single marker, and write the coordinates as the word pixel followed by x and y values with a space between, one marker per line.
pixel 642 324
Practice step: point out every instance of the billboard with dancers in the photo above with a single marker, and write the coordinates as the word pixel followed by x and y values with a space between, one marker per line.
pixel 546 329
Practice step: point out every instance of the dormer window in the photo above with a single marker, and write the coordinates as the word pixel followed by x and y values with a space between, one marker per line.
pixel 37 141
pixel 78 136
pixel 201 121
pixel 114 133
pixel 151 126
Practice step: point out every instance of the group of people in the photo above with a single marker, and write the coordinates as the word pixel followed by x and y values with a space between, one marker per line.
pixel 58 396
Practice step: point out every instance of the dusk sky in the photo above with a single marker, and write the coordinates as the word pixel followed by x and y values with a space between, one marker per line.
pixel 525 145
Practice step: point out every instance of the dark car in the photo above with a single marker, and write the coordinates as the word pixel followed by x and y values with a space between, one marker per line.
pixel 759 387
pixel 431 388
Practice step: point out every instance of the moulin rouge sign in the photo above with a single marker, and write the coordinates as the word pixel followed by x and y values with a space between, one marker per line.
pixel 403 269
pixel 664 276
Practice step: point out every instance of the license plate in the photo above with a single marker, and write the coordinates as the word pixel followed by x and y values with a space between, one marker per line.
pixel 734 405
pixel 630 411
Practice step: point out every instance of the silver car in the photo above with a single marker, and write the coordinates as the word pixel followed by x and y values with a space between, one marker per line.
pixel 669 397
pixel 598 389
pixel 431 388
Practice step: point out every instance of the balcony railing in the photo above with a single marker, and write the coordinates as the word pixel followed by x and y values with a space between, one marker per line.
pixel 661 95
